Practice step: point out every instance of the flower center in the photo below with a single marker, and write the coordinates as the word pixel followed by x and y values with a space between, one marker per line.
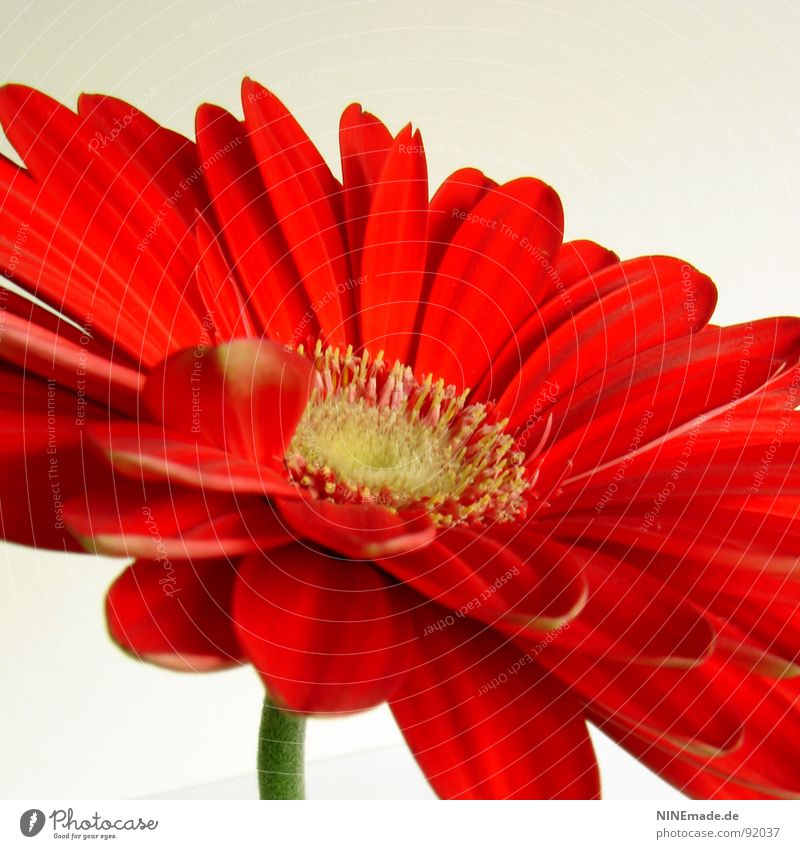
pixel 373 433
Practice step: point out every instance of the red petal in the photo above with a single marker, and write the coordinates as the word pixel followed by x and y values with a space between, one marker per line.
pixel 175 613
pixel 155 179
pixel 737 566
pixel 578 282
pixel 250 228
pixel 158 160
pixel 325 634
pixel 695 780
pixel 85 230
pixel 360 531
pixel 768 657
pixel 307 203
pixel 645 396
pixel 674 300
pixel 64 356
pixel 496 577
pixel 364 143
pixel 764 764
pixel 689 708
pixel 717 555
pixel 45 459
pixel 169 522
pixel 490 279
pixel 393 258
pixel 581 259
pixel 148 452
pixel 769 757
pixel 223 299
pixel 719 452
pixel 485 722
pixel 769 629
pixel 460 192
pixel 245 396
pixel 631 616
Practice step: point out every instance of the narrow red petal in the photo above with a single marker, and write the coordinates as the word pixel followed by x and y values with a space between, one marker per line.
pixel 223 299
pixel 630 616
pixel 250 229
pixel 394 253
pixel 643 397
pixel 492 276
pixel 46 458
pixel 721 451
pixel 580 259
pixel 694 779
pixel 458 194
pixel 364 143
pixel 690 708
pixel 307 203
pixel 583 273
pixel 762 765
pixel 65 356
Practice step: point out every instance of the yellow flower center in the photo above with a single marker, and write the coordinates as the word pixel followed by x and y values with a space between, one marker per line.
pixel 373 433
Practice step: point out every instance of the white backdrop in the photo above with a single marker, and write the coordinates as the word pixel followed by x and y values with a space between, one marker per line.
pixel 667 127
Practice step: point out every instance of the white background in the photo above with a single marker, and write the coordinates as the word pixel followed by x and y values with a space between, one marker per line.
pixel 667 127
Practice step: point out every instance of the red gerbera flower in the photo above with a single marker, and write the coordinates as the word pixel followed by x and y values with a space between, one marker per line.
pixel 387 448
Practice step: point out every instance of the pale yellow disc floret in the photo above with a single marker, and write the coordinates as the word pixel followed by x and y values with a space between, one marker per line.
pixel 381 449
pixel 374 433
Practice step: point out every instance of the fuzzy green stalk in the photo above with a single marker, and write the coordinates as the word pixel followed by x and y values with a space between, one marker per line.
pixel 281 749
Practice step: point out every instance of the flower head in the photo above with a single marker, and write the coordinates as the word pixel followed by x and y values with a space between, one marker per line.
pixel 391 447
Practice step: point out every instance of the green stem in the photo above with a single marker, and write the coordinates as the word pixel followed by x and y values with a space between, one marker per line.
pixel 281 739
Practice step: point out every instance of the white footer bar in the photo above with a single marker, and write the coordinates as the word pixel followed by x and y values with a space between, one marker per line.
pixel 405 825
